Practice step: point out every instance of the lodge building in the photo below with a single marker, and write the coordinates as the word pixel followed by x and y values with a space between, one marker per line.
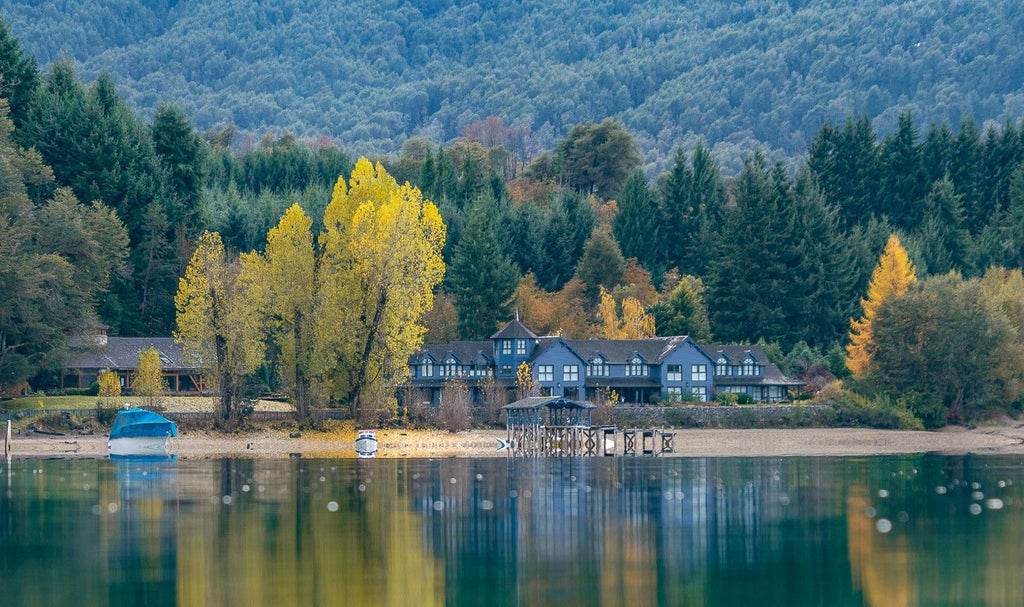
pixel 639 371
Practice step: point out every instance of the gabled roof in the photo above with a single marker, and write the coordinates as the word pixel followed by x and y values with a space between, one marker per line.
pixel 466 352
pixel 619 351
pixel 546 343
pixel 122 353
pixel 739 352
pixel 514 330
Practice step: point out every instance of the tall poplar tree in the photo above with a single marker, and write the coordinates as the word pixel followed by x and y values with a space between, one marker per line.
pixel 218 319
pixel 892 277
pixel 380 260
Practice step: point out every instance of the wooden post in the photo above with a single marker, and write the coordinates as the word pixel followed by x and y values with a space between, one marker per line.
pixel 7 440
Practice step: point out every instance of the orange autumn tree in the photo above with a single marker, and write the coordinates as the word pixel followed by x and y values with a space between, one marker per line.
pixel 892 277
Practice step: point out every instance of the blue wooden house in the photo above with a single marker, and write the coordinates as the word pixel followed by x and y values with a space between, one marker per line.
pixel 657 369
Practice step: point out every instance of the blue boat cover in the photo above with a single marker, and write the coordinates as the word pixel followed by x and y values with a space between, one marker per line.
pixel 134 423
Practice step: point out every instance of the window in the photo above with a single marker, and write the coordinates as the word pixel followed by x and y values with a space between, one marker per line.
pixel 521 347
pixel 700 393
pixel 699 372
pixel 636 367
pixel 598 368
pixel 451 368
pixel 506 369
pixel 570 373
pixel 674 394
pixel 546 372
pixel 722 367
pixel 427 369
pixel 749 367
pixel 506 346
pixel 675 372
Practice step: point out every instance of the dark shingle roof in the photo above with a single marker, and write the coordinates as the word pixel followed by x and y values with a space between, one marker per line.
pixel 123 353
pixel 737 354
pixel 467 352
pixel 514 330
pixel 619 351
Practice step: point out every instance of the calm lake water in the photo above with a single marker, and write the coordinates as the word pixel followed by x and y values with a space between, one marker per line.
pixel 908 530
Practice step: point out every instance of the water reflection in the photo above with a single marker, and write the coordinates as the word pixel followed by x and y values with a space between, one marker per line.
pixel 917 530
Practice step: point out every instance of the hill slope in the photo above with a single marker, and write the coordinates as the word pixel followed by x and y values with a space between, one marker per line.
pixel 371 74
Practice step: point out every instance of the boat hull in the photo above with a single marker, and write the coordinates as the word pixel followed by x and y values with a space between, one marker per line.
pixel 366 443
pixel 140 445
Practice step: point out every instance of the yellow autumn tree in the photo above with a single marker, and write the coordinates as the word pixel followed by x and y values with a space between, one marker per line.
pixel 109 383
pixel 631 323
pixel 380 262
pixel 286 293
pixel 148 378
pixel 218 323
pixel 892 277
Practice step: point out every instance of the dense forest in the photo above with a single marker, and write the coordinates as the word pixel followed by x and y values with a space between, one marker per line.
pixel 370 75
pixel 102 210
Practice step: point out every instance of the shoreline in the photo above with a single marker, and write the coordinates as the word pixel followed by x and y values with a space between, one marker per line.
pixel 271 443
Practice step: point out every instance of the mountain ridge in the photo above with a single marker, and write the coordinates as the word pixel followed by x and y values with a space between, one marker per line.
pixel 374 74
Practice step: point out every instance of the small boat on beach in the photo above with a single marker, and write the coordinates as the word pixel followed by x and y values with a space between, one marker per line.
pixel 141 432
pixel 366 443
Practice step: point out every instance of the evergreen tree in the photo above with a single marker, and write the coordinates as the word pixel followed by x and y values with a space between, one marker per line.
pixel 481 278
pixel 903 185
pixel 182 156
pixel 845 165
pixel 683 311
pixel 693 197
pixel 636 225
pixel 19 76
pixel 785 271
pixel 749 275
pixel 602 264
pixel 966 174
pixel 941 239
pixel 597 158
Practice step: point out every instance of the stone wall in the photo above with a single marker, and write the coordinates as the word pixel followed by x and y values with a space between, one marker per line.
pixel 724 416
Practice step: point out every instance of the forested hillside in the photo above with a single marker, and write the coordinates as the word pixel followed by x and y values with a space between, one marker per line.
pixel 372 74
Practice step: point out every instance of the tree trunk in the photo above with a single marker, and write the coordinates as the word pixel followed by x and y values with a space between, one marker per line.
pixel 371 336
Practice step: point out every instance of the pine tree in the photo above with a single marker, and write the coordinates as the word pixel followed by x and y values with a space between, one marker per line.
pixel 903 185
pixel 693 197
pixel 481 278
pixel 845 165
pixel 892 277
pixel 602 264
pixel 636 225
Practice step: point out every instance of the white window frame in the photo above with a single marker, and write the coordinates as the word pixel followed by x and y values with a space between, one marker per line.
pixel 570 373
pixel 674 373
pixel 546 373
pixel 506 346
pixel 427 369
pixel 698 372
pixel 598 368
pixel 521 347
pixel 700 393
pixel 636 368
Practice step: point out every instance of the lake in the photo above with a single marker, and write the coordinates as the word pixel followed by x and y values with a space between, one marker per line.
pixel 904 530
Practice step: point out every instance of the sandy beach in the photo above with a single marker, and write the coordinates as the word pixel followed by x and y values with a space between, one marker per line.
pixel 340 443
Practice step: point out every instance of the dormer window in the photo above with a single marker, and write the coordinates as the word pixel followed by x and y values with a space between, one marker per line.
pixel 721 366
pixel 598 367
pixel 426 368
pixel 451 368
pixel 636 367
pixel 749 366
